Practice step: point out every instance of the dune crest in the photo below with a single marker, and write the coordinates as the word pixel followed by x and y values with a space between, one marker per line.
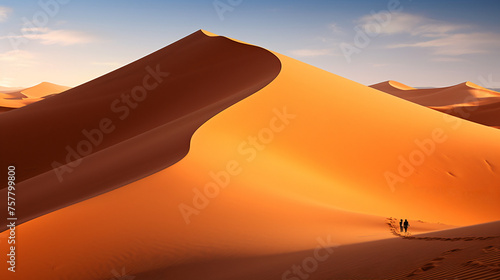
pixel 43 89
pixel 399 85
pixel 472 85
pixel 156 102
pixel 208 33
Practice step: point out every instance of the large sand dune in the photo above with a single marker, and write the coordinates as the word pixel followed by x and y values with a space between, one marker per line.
pixel 307 167
pixel 131 122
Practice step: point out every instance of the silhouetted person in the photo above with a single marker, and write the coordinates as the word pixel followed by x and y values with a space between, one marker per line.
pixel 406 224
pixel 401 225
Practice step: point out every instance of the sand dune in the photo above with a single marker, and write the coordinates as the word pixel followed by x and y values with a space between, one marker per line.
pixel 467 100
pixel 175 89
pixel 286 163
pixel 464 93
pixel 12 98
pixel 10 89
pixel 43 90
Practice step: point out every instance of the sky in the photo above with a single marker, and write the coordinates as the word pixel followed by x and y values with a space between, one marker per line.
pixel 417 42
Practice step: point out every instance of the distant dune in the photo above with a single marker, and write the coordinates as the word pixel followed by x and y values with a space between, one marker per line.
pixel 43 90
pixel 10 89
pixel 12 98
pixel 215 159
pixel 467 100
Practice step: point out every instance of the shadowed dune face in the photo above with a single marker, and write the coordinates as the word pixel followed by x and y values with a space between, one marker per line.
pixel 17 95
pixel 129 123
pixel 486 113
pixel 467 100
pixel 477 258
pixel 4 109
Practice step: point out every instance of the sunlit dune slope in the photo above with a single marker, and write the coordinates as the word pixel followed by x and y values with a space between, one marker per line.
pixel 43 89
pixel 312 159
pixel 358 149
pixel 11 98
pixel 126 124
pixel 467 100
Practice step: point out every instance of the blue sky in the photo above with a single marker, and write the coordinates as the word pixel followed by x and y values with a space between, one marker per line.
pixel 417 42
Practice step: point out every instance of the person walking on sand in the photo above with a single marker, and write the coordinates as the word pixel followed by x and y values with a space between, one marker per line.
pixel 406 224
pixel 401 225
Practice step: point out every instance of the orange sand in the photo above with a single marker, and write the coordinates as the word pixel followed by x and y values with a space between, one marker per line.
pixel 11 98
pixel 302 162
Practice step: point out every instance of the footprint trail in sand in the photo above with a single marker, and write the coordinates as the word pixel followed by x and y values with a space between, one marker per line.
pixel 482 252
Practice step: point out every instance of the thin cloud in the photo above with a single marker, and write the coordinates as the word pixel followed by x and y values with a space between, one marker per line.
pixel 48 36
pixel 404 23
pixel 62 37
pixel 34 30
pixel 387 23
pixel 6 82
pixel 443 39
pixel 448 59
pixel 458 44
pixel 4 13
pixel 311 52
pixel 19 58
